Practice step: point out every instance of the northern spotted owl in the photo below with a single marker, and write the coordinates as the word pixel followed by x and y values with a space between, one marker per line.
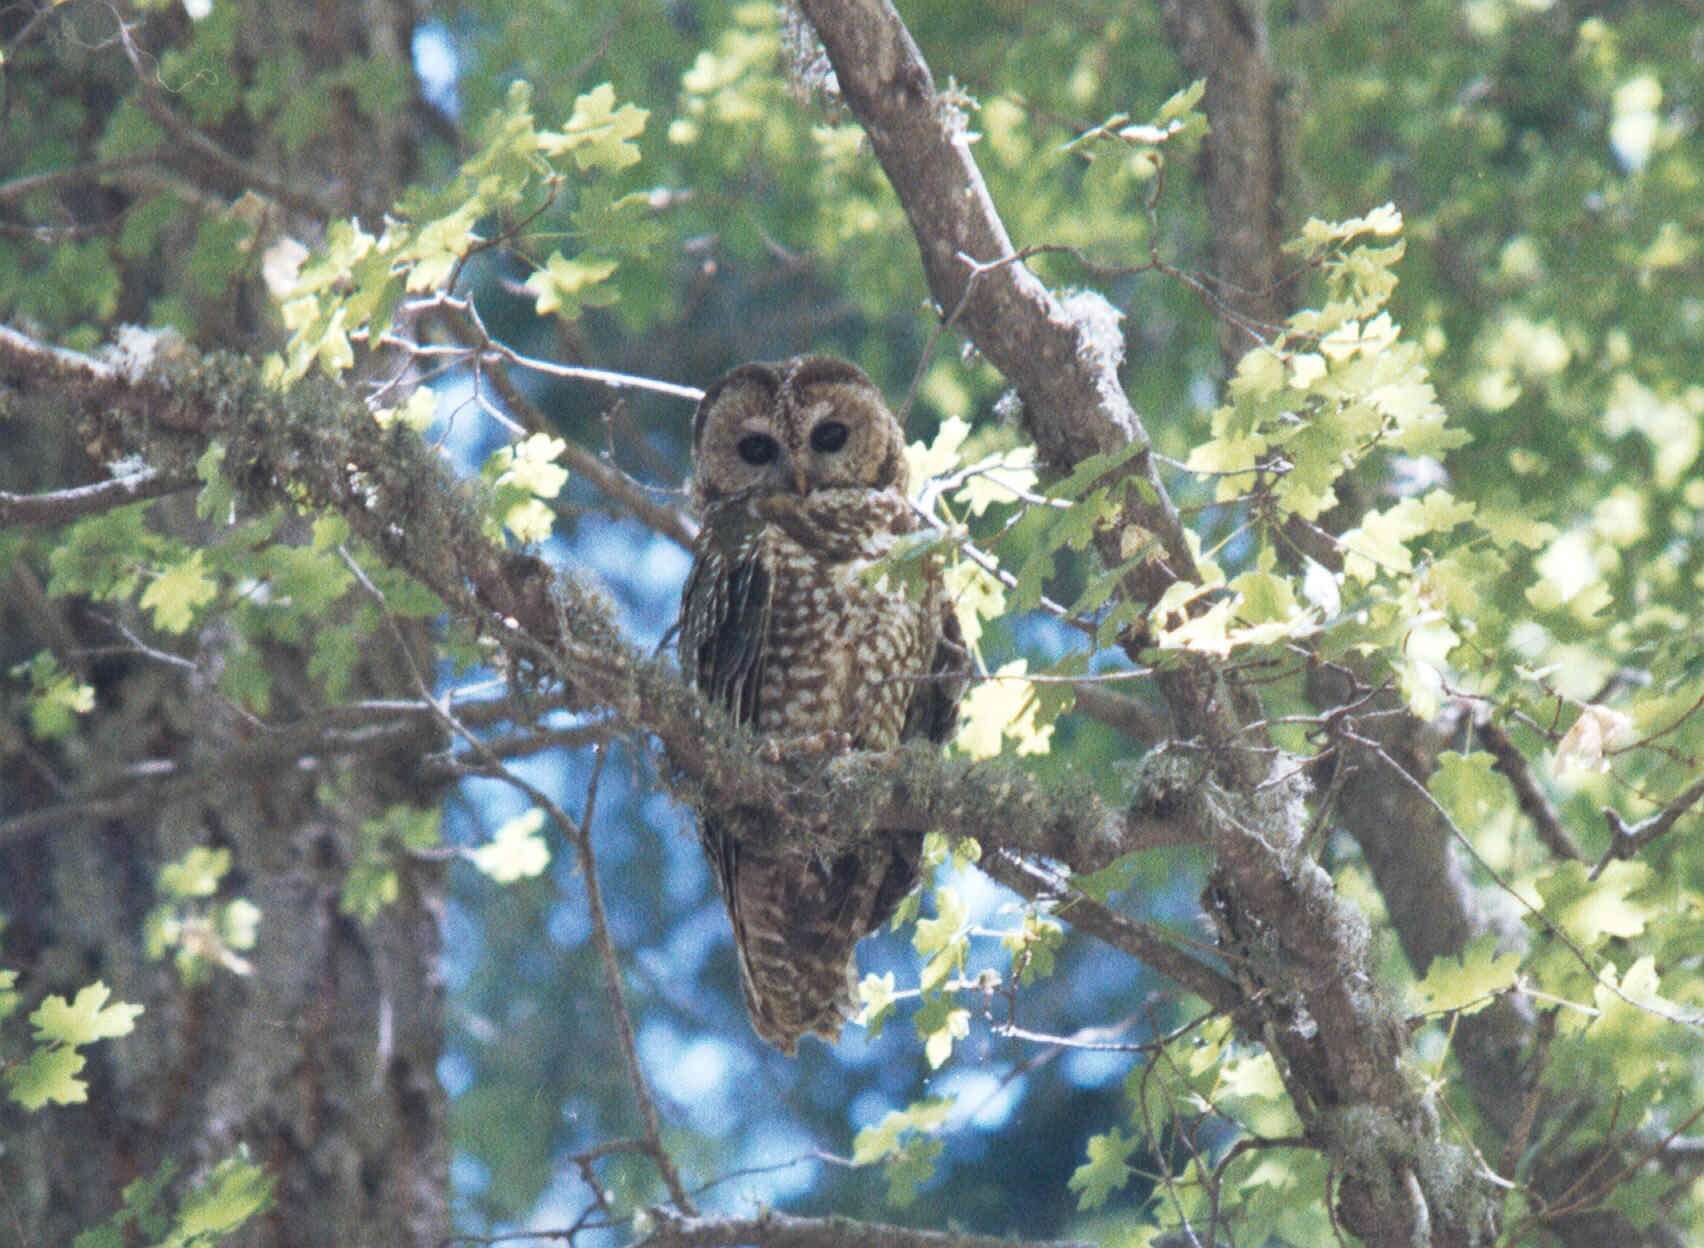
pixel 799 477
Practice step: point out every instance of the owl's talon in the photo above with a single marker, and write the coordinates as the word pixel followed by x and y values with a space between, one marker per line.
pixel 784 749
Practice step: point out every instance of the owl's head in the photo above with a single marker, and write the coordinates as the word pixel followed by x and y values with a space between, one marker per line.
pixel 805 424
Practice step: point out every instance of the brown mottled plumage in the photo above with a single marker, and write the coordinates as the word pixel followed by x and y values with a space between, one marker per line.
pixel 799 475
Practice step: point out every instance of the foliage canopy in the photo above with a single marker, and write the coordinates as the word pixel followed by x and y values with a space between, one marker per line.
pixel 1316 855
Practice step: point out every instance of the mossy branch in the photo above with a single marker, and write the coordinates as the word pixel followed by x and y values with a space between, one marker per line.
pixel 316 447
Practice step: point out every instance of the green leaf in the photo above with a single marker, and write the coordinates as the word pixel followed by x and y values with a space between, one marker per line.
pixel 1106 1170
pixel 876 997
pixel 530 465
pixel 85 1020
pixel 372 882
pixel 1318 235
pixel 142 1198
pixel 939 1024
pixel 938 458
pixel 196 874
pixel 417 412
pixel 217 497
pixel 9 996
pixel 1090 470
pixel 516 852
pixel 1000 478
pixel 598 134
pixel 174 595
pixel 220 253
pixel 48 1074
pixel 566 286
pixel 56 697
pixel 1181 102
pixel 1001 707
pixel 1116 876
pixel 369 887
pixel 943 939
pixel 1591 910
pixel 100 555
pixel 1466 983
pixel 910 1168
pixel 1254 1077
pixel 947 927
pixel 1467 786
pixel 1033 946
pixel 881 1141
pixel 235 1191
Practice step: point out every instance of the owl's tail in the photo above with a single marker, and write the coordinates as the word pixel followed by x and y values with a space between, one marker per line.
pixel 797 922
pixel 788 996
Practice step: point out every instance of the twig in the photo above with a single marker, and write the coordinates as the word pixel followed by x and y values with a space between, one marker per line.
pixel 202 145
pixel 615 484
pixel 1628 839
pixel 1138 939
pixel 28 184
pixel 1544 920
pixel 579 835
pixel 582 838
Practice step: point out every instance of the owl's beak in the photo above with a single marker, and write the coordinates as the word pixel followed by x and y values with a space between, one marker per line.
pixel 799 483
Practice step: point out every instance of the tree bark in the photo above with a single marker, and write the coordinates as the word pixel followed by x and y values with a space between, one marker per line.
pixel 322 1062
pixel 1337 1040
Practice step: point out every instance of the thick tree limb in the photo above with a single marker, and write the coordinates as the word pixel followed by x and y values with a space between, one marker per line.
pixel 317 446
pixel 1533 803
pixel 1242 165
pixel 1067 380
pixel 86 500
pixel 1432 903
pixel 1336 1038
pixel 1137 720
pixel 1435 908
pixel 1140 940
pixel 779 1230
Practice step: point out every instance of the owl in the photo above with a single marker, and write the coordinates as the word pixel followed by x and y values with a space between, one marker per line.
pixel 799 477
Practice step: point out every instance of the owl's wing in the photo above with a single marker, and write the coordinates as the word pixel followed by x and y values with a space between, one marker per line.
pixel 724 620
pixel 932 712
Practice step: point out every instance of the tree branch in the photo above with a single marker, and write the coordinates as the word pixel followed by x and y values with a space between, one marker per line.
pixel 1628 839
pixel 86 500
pixel 240 172
pixel 1242 164
pixel 316 446
pixel 779 1230
pixel 615 484
pixel 1325 1015
pixel 1508 760
pixel 1066 377
pixel 1141 940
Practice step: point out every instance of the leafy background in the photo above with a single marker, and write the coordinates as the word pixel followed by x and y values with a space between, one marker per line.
pixel 1545 163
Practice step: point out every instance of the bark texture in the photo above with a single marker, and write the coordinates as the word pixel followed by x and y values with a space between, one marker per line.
pixel 322 1062
pixel 1338 1042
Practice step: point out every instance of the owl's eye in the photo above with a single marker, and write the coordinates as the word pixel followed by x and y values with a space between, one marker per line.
pixel 829 436
pixel 758 449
